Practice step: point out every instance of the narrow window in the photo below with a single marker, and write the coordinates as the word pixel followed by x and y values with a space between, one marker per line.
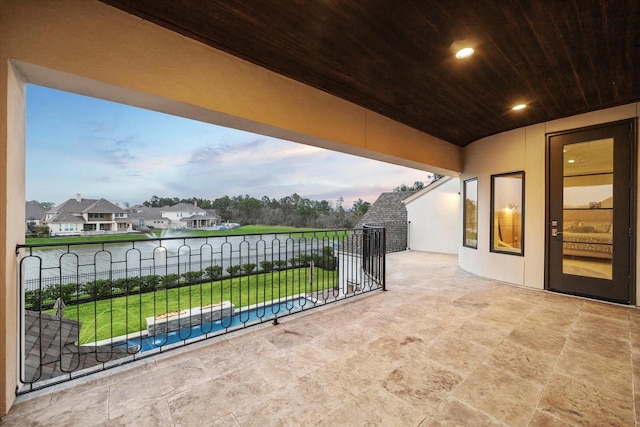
pixel 470 213
pixel 507 207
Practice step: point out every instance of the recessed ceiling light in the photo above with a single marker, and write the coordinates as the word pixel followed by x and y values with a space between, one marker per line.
pixel 519 107
pixel 465 52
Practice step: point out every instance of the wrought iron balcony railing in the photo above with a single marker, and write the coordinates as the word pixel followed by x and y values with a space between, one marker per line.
pixel 397 234
pixel 91 306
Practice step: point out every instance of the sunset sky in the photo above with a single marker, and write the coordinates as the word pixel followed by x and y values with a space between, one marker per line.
pixel 101 149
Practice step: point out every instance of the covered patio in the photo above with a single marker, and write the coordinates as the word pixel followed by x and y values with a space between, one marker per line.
pixel 439 347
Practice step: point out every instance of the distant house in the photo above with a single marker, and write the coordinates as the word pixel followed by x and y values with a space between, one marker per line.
pixel 179 216
pixel 143 217
pixel 87 216
pixel 34 214
pixel 434 217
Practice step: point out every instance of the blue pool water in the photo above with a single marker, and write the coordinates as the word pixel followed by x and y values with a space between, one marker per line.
pixel 245 318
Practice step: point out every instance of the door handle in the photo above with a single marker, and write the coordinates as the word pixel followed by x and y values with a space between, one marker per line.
pixel 555 232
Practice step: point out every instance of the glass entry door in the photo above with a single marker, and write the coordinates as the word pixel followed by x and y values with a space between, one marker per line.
pixel 589 213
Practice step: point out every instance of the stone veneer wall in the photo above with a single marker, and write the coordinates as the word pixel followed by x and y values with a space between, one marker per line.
pixel 389 210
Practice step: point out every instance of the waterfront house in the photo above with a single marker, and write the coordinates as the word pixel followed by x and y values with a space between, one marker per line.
pixel 81 216
pixel 187 215
pixel 178 216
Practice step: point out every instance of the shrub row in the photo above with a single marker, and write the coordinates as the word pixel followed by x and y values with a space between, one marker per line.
pixel 42 299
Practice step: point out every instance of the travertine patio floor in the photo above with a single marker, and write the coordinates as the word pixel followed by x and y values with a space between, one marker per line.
pixel 440 347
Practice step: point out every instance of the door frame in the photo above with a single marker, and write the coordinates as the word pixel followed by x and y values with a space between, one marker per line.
pixel 633 197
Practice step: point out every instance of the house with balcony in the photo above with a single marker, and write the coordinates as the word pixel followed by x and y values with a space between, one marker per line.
pixel 189 216
pixel 81 216
pixel 533 106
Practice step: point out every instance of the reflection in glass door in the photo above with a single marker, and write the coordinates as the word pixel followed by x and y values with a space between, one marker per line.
pixel 587 211
pixel 590 239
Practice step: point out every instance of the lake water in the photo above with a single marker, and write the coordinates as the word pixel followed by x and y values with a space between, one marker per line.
pixel 86 262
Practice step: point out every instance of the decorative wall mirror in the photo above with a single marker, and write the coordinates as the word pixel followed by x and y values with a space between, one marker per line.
pixel 470 213
pixel 507 208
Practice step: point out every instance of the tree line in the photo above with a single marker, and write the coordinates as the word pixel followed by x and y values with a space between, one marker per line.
pixel 292 211
pixel 418 185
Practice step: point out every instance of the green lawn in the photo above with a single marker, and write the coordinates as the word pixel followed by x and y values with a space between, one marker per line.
pixel 253 229
pixel 119 316
pixel 246 229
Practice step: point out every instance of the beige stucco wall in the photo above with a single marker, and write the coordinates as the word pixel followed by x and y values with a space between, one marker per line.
pixel 12 208
pixel 501 153
pixel 87 47
pixel 521 149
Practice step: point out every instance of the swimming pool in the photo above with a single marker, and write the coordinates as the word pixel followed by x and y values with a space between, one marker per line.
pixel 243 317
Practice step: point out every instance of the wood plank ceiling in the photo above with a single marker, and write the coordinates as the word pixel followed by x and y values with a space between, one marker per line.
pixel 561 57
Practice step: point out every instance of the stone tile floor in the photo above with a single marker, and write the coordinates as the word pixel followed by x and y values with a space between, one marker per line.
pixel 440 348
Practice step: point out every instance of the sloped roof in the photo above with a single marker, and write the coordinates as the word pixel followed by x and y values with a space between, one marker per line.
pixel 67 217
pixel 34 210
pixel 86 206
pixel 387 208
pixel 103 205
pixel 68 211
pixel 201 217
pixel 148 213
pixel 183 207
pixel 51 348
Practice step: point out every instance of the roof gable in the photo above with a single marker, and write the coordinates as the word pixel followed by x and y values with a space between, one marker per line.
pixel 387 208
pixel 87 206
pixel 104 206
pixel 183 207
pixel 34 210
pixel 67 218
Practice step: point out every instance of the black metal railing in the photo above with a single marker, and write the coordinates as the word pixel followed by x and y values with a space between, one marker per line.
pixel 374 249
pixel 91 306
pixel 397 234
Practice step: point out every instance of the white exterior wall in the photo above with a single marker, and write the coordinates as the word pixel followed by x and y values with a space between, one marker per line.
pixel 435 218
pixel 178 218
pixel 157 223
pixel 520 149
pixel 59 229
pixel 172 216
pixel 175 219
